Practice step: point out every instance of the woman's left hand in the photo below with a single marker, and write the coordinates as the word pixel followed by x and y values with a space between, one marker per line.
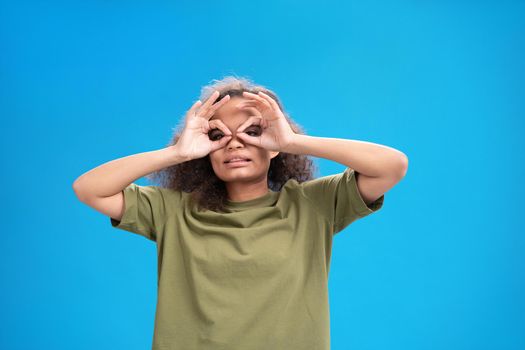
pixel 276 133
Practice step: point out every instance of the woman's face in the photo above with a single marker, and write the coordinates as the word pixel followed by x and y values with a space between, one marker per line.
pixel 254 170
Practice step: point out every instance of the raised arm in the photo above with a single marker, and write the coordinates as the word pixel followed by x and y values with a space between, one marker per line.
pixel 101 188
pixel 378 168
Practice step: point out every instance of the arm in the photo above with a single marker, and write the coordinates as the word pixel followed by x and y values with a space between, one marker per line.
pixel 101 187
pixel 379 167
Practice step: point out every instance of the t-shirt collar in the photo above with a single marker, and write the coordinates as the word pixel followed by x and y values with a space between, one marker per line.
pixel 263 201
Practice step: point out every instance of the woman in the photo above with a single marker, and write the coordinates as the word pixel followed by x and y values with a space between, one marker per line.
pixel 243 232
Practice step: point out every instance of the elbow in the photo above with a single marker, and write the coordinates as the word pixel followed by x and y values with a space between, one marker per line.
pixel 77 190
pixel 402 166
pixel 398 165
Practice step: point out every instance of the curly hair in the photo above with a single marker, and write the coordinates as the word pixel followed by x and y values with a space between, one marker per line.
pixel 197 176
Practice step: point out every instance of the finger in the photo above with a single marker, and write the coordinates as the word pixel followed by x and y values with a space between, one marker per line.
pixel 217 123
pixel 211 99
pixel 207 113
pixel 223 100
pixel 211 111
pixel 250 95
pixel 215 145
pixel 193 108
pixel 260 106
pixel 208 102
pixel 252 140
pixel 270 100
pixel 257 98
pixel 247 102
pixel 247 105
pixel 259 110
pixel 253 120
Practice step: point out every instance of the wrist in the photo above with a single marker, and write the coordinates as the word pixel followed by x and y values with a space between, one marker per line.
pixel 293 146
pixel 172 155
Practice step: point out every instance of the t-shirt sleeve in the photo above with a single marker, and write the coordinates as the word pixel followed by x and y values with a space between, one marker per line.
pixel 337 198
pixel 144 211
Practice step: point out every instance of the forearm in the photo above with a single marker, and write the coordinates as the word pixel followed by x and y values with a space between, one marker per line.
pixel 366 158
pixel 112 177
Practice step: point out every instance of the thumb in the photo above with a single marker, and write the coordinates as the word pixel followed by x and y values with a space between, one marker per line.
pixel 221 143
pixel 247 138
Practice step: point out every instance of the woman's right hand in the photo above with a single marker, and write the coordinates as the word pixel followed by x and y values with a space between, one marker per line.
pixel 194 141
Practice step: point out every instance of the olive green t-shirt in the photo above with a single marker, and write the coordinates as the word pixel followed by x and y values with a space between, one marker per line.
pixel 255 278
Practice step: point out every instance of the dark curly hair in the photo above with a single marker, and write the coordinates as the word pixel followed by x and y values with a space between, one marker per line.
pixel 197 175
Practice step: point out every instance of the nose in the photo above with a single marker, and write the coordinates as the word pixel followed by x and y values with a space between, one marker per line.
pixel 235 142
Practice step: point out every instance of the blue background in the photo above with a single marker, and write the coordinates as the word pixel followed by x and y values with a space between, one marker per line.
pixel 441 266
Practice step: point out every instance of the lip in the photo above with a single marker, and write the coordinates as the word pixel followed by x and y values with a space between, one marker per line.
pixel 238 155
pixel 237 164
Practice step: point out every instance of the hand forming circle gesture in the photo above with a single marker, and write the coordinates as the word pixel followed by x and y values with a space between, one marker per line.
pixel 194 141
pixel 276 131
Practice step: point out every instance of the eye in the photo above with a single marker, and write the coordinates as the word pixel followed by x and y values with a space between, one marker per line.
pixel 215 134
pixel 254 130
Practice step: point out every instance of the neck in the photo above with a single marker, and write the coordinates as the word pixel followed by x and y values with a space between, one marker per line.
pixel 242 191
